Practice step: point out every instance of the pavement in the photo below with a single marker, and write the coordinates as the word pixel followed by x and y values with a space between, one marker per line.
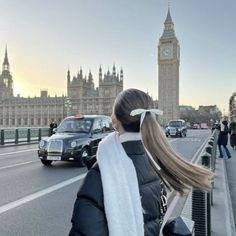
pixel 223 211
pixel 231 174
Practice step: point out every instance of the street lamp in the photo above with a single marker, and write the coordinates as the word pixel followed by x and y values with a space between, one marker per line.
pixel 68 105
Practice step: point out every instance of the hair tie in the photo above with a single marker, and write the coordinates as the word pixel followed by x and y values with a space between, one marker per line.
pixel 143 112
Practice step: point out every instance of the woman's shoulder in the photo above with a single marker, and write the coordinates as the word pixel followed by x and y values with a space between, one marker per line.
pixel 91 186
pixel 93 173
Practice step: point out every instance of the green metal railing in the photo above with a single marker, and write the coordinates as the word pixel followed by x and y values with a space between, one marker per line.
pixel 21 135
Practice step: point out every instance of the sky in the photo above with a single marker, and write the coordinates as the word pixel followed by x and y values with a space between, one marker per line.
pixel 45 38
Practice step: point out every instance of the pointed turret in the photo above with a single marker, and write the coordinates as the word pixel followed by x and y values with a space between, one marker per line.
pixel 80 74
pixel 121 74
pixel 68 76
pixel 168 17
pixel 114 70
pixel 5 64
pixel 168 27
pixel 100 73
pixel 90 77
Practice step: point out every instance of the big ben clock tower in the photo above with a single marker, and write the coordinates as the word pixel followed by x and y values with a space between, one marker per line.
pixel 168 72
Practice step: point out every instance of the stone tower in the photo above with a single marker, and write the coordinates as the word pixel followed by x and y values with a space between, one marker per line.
pixel 6 81
pixel 109 87
pixel 168 72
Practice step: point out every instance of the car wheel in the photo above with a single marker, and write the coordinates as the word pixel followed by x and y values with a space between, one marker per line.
pixel 84 154
pixel 167 135
pixel 46 162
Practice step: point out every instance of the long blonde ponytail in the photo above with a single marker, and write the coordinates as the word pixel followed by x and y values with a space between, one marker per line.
pixel 180 174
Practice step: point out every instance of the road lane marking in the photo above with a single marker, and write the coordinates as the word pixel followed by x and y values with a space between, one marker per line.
pixel 198 154
pixel 39 194
pixel 18 164
pixel 173 140
pixel 193 140
pixel 10 153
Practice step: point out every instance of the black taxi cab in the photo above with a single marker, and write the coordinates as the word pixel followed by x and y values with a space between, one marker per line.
pixel 176 128
pixel 76 138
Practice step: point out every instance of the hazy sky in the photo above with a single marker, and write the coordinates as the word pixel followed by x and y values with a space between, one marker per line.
pixel 44 38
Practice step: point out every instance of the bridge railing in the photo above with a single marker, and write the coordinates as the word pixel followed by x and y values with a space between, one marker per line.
pixel 202 201
pixel 20 135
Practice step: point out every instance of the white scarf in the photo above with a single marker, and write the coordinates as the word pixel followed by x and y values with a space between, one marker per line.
pixel 122 200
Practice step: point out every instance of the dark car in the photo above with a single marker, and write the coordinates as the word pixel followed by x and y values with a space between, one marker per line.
pixel 176 128
pixel 76 138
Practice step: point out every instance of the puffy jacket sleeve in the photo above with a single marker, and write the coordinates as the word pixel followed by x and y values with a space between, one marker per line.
pixel 88 217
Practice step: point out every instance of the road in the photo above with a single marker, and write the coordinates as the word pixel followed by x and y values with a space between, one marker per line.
pixel 38 201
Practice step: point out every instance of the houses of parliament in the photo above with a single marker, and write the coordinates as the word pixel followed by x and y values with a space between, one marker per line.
pixel 82 97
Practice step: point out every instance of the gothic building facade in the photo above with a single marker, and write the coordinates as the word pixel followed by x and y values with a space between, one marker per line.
pixel 82 97
pixel 86 98
pixel 168 72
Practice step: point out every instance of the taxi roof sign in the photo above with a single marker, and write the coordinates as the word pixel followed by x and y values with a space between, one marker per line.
pixel 79 116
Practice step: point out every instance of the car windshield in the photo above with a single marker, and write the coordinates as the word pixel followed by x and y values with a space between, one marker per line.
pixel 175 123
pixel 75 126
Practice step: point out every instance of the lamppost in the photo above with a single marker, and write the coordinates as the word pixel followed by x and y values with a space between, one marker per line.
pixel 68 105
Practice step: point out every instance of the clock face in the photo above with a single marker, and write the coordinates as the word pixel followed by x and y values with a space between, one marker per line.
pixel 166 52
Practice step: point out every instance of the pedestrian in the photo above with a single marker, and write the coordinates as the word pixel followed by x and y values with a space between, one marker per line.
pixel 122 194
pixel 55 125
pixel 232 131
pixel 52 126
pixel 223 138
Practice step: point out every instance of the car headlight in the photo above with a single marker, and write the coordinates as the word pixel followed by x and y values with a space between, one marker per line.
pixel 73 144
pixel 42 143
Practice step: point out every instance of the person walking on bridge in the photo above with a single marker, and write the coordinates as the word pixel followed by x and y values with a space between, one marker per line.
pixel 223 138
pixel 122 194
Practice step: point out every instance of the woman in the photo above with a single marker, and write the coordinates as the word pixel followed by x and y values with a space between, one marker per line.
pixel 223 138
pixel 121 194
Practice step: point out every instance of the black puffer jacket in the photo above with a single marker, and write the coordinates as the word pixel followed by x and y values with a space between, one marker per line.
pixel 89 217
pixel 223 135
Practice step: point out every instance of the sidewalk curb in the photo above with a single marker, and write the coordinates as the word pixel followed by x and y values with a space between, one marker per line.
pixel 230 224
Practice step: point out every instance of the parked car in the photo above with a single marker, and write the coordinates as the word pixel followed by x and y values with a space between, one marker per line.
pixel 176 128
pixel 76 138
